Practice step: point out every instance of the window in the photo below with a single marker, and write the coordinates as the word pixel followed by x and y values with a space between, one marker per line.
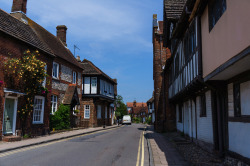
pixel 53 104
pixel 203 112
pixel 44 81
pixel 110 88
pixel 180 113
pixel 105 87
pixel 55 72
pixel 86 85
pixel 237 105
pixel 74 77
pixel 216 8
pixel 93 85
pixel 106 112
pixel 99 112
pixel 86 111
pixel 38 110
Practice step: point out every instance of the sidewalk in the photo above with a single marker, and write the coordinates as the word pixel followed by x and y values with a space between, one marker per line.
pixel 8 146
pixel 163 152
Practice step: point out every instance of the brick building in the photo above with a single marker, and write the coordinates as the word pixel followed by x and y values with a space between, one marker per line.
pixel 98 95
pixel 163 112
pixel 139 110
pixel 15 38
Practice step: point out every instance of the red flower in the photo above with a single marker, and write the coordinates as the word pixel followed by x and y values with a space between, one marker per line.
pixel 43 92
pixel 1 82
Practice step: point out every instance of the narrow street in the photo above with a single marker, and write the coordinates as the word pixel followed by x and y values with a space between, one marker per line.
pixel 118 146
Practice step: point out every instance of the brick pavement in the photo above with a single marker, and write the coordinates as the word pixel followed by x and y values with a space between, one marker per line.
pixel 164 153
pixel 7 146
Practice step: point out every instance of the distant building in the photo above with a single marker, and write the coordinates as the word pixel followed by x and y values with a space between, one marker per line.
pixel 139 110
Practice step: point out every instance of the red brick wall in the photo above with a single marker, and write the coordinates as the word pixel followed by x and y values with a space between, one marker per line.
pixel 11 47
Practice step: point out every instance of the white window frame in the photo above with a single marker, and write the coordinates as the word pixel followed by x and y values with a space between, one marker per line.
pixel 44 81
pixel 42 110
pixel 87 85
pixel 93 90
pixel 57 70
pixel 99 112
pixel 86 109
pixel 53 103
pixel 74 77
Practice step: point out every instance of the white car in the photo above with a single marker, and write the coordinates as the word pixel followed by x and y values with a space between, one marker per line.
pixel 126 119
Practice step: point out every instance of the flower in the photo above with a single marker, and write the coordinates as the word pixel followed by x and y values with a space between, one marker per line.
pixel 43 92
pixel 1 82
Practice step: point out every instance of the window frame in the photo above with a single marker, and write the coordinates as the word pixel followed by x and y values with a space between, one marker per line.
pixel 212 15
pixel 44 81
pixel 203 108
pixel 86 110
pixel 53 102
pixel 74 77
pixel 42 110
pixel 99 117
pixel 57 70
pixel 93 78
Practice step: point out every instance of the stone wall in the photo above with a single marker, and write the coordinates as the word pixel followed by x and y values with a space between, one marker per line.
pixel 66 73
pixel 79 78
pixel 59 86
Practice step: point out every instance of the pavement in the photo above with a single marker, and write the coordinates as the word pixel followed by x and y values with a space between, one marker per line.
pixel 163 152
pixel 8 146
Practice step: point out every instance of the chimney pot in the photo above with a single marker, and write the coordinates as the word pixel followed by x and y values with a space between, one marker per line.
pixel 19 5
pixel 78 58
pixel 61 33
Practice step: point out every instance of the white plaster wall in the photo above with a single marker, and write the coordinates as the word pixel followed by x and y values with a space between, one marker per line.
pixel 193 120
pixel 178 124
pixel 205 124
pixel 239 136
pixel 230 100
pixel 245 98
pixel 186 118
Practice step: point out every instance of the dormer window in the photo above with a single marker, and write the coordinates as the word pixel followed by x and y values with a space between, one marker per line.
pixel 55 72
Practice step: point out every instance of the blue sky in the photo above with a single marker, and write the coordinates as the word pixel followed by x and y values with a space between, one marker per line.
pixel 116 35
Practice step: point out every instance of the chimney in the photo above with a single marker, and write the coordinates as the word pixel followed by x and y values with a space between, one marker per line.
pixel 78 58
pixel 134 103
pixel 19 5
pixel 61 33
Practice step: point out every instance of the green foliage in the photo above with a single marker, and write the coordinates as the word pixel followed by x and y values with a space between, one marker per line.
pixel 27 74
pixel 137 119
pixel 121 109
pixel 61 118
pixel 148 120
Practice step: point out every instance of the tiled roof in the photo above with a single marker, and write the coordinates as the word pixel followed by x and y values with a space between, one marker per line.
pixel 137 110
pixel 54 43
pixel 151 100
pixel 90 69
pixel 131 104
pixel 71 90
pixel 174 8
pixel 21 31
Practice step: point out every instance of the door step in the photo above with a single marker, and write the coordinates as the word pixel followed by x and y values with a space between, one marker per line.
pixel 11 138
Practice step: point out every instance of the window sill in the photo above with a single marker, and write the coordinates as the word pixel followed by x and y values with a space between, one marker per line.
pixel 35 123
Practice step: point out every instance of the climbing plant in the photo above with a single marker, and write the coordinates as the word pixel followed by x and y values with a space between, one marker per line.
pixel 26 74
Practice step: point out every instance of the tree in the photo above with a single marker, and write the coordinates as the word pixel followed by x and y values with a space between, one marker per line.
pixel 121 108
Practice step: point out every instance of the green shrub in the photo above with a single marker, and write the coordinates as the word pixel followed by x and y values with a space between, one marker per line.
pixel 61 118
pixel 148 120
pixel 137 120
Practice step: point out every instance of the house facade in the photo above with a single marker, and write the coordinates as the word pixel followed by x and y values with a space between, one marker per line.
pixel 208 82
pixel 98 95
pixel 13 43
pixel 138 110
pixel 151 109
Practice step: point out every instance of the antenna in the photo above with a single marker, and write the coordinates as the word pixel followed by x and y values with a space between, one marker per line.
pixel 75 47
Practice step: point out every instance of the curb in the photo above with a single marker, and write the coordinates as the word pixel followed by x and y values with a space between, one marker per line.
pixel 151 159
pixel 56 139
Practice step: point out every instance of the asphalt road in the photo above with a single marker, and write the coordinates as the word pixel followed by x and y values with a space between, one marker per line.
pixel 118 146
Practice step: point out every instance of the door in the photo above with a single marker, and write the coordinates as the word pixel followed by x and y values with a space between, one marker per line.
pixel 8 116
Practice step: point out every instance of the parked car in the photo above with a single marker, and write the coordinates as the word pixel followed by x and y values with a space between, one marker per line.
pixel 126 119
